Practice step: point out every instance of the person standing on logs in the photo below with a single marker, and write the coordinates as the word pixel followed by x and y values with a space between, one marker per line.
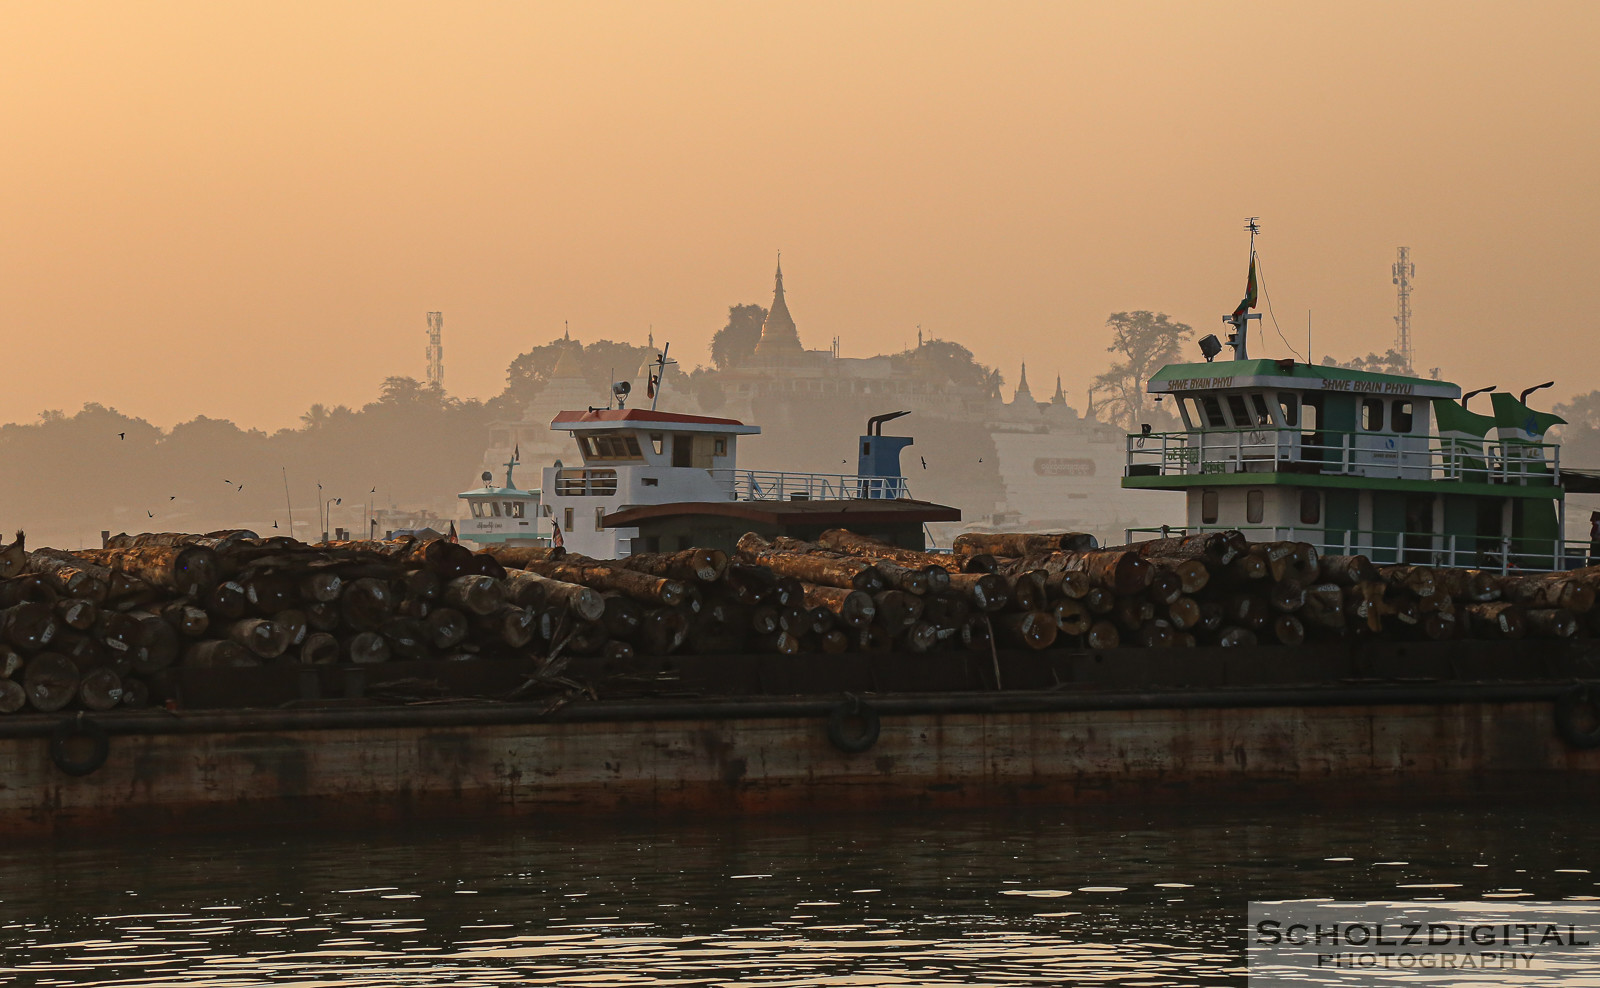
pixel 1594 538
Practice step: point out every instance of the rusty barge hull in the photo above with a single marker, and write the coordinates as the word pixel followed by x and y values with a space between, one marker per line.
pixel 359 767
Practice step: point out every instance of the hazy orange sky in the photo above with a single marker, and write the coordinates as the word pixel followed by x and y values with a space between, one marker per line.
pixel 240 209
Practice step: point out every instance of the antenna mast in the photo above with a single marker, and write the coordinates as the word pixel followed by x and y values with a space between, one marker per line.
pixel 1241 316
pixel 436 350
pixel 1404 271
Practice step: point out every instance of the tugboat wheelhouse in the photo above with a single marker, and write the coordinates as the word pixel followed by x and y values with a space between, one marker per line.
pixel 1350 461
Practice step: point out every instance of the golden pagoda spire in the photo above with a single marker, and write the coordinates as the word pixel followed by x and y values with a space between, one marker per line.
pixel 778 335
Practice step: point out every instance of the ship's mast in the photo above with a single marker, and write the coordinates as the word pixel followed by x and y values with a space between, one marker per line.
pixel 658 377
pixel 1404 271
pixel 1240 318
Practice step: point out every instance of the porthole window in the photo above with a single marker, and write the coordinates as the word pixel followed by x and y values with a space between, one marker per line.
pixel 1208 507
pixel 1254 507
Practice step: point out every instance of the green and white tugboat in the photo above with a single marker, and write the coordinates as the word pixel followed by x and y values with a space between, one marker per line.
pixel 1393 467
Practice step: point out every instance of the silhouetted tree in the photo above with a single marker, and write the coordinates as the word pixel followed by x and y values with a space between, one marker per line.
pixel 736 342
pixel 1390 362
pixel 1147 341
pixel 944 361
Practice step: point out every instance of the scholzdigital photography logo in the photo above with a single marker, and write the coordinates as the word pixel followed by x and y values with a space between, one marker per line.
pixel 1300 942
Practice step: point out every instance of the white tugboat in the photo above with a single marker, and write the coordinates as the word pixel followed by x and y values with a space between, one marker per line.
pixel 507 515
pixel 653 481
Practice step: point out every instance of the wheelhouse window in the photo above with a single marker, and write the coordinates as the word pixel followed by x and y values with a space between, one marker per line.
pixel 1237 411
pixel 1188 411
pixel 1208 507
pixel 719 446
pixel 1289 408
pixel 658 442
pixel 1254 507
pixel 515 509
pixel 1213 409
pixel 1372 414
pixel 1311 413
pixel 613 446
pixel 495 507
pixel 477 509
pixel 1400 417
pixel 1258 403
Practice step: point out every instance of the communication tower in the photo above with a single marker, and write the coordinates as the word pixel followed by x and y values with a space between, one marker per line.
pixel 436 349
pixel 1404 271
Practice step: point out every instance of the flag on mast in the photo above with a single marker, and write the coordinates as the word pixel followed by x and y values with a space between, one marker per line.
pixel 516 453
pixel 1249 301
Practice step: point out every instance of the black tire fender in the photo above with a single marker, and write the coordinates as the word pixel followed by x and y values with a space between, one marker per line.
pixel 79 727
pixel 840 734
pixel 1578 716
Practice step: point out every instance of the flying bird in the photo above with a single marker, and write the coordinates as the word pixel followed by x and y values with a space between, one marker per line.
pixel 241 487
pixel 122 435
pixel 147 511
pixel 274 524
pixel 225 480
pixel 173 498
pixel 373 491
pixel 924 460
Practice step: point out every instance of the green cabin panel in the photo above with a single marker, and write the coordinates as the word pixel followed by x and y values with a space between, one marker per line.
pixel 1343 515
pixel 1388 518
pixel 1339 413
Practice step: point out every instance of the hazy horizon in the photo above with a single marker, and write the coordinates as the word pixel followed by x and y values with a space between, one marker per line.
pixel 237 212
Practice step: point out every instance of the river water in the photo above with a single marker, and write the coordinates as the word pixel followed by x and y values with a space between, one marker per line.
pixel 1038 898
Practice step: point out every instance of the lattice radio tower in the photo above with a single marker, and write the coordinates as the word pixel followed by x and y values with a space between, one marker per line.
pixel 436 350
pixel 1404 271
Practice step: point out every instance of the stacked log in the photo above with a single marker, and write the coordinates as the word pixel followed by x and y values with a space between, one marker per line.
pixel 95 629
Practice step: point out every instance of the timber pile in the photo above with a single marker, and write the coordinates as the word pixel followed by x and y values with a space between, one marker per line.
pixel 94 629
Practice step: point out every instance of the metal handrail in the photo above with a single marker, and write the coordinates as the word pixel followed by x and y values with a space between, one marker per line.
pixel 1342 453
pixel 586 482
pixel 783 485
pixel 1499 554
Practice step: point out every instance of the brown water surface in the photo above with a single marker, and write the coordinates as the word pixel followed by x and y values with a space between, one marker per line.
pixel 1042 898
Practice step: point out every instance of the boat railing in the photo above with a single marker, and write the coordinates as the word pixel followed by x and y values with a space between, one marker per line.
pixel 586 482
pixel 782 485
pixel 1493 553
pixel 1362 454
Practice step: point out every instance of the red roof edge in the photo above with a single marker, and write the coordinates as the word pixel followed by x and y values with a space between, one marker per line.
pixel 638 415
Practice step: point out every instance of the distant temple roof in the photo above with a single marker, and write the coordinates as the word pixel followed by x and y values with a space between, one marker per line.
pixel 778 335
pixel 1023 395
pixel 567 365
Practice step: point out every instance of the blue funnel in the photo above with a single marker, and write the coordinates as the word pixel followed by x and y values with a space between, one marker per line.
pixel 879 457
